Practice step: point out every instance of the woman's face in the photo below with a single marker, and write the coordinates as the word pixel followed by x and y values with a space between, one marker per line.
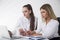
pixel 26 12
pixel 44 13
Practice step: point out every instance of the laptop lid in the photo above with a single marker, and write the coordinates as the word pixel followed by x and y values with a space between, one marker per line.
pixel 4 32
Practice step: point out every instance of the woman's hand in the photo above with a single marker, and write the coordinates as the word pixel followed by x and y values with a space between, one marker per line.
pixel 22 32
pixel 26 33
pixel 30 32
pixel 36 34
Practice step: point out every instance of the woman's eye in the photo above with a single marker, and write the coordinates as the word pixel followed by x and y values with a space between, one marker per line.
pixel 43 12
pixel 25 11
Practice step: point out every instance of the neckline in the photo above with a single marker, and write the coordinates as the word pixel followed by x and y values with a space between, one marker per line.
pixel 26 19
pixel 49 21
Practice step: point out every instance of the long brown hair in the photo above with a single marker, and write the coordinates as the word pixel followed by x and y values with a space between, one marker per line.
pixel 32 21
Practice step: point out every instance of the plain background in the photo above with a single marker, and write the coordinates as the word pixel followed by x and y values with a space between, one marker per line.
pixel 11 10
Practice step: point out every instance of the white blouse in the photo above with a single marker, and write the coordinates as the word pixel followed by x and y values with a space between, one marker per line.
pixel 24 24
pixel 50 30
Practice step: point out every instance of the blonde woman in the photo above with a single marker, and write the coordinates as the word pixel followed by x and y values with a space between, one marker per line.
pixel 49 28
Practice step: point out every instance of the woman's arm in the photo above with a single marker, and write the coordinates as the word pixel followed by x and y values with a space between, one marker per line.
pixel 22 32
pixel 33 33
pixel 50 30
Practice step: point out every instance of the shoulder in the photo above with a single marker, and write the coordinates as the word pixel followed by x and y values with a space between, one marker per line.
pixel 20 19
pixel 55 21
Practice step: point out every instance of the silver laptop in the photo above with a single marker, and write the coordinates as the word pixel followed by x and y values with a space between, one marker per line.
pixel 4 32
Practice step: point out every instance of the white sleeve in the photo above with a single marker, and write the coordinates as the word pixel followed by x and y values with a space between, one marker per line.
pixel 36 23
pixel 38 30
pixel 39 27
pixel 18 26
pixel 20 23
pixel 51 29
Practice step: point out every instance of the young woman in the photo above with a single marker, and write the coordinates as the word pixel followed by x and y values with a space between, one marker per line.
pixel 28 22
pixel 49 28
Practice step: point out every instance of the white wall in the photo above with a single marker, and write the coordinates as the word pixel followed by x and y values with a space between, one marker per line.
pixel 11 10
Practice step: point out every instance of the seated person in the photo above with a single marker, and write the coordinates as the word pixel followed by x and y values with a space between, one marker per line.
pixel 49 27
pixel 27 23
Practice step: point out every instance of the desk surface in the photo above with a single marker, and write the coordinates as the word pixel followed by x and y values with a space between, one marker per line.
pixel 20 39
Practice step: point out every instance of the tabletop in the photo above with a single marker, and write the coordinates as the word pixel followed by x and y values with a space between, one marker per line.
pixel 23 38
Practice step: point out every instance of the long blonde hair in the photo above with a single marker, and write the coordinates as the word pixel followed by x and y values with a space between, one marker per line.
pixel 49 9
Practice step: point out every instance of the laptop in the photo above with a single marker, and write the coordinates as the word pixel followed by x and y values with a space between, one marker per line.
pixel 4 32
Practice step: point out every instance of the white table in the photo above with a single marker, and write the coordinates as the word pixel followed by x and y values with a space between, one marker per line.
pixel 29 39
pixel 20 39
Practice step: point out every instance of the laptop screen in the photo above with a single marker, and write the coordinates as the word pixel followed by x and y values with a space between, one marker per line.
pixel 4 32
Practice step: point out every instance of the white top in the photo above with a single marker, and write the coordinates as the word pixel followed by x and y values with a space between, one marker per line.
pixel 50 30
pixel 24 24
